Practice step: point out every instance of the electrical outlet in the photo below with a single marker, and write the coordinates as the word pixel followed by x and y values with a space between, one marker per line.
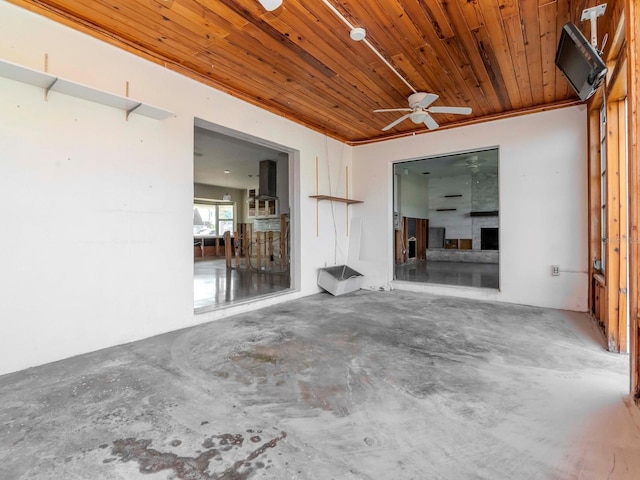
pixel 555 270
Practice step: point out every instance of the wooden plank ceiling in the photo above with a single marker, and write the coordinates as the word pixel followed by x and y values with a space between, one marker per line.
pixel 495 56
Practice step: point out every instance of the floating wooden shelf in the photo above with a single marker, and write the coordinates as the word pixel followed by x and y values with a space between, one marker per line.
pixel 51 83
pixel 348 201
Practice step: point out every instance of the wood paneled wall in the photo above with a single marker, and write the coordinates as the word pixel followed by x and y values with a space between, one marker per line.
pixel 632 10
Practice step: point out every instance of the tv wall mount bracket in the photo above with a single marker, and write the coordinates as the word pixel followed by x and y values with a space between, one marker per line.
pixel 592 14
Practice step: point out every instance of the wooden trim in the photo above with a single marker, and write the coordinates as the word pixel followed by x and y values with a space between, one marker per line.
pixel 616 246
pixel 632 14
pixel 622 244
pixel 617 80
pixel 594 198
pixel 422 238
pixel 612 265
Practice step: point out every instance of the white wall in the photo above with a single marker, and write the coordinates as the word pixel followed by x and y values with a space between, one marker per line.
pixel 457 224
pixel 543 198
pixel 96 211
pixel 414 195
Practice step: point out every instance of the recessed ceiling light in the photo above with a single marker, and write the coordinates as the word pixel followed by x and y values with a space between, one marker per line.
pixel 358 33
pixel 227 171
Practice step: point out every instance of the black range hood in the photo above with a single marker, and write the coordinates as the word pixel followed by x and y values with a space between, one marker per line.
pixel 268 178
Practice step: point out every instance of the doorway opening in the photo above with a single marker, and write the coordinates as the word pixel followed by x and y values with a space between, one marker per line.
pixel 446 220
pixel 241 218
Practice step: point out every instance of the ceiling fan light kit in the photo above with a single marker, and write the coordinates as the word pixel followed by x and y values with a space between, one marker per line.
pixel 418 117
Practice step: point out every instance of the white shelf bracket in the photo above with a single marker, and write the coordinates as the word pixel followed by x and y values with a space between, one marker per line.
pixel 47 89
pixel 131 110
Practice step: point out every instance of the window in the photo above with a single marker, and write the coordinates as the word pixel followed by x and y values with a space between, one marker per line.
pixel 225 218
pixel 212 218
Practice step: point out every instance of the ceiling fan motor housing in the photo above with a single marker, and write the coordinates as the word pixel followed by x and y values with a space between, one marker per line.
pixel 416 98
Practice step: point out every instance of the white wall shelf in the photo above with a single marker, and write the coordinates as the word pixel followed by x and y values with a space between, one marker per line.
pixel 348 201
pixel 51 83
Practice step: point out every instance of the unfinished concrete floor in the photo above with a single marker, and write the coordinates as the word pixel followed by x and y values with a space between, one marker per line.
pixel 370 385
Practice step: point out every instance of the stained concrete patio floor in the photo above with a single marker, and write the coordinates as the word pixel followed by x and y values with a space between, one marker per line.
pixel 370 385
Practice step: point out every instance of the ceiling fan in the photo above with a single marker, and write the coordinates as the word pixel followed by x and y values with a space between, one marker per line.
pixel 419 108
pixel 474 162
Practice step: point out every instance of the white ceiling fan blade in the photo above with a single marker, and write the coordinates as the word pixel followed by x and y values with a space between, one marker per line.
pixel 393 124
pixel 430 122
pixel 428 99
pixel 456 110
pixel 393 110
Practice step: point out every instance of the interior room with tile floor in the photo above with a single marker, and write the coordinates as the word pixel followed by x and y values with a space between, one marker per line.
pixel 368 385
pixel 460 274
pixel 215 285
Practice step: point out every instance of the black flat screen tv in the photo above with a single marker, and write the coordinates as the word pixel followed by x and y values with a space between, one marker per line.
pixel 579 62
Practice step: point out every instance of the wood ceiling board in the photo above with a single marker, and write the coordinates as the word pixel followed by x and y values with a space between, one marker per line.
pixel 264 61
pixel 509 8
pixel 190 20
pixel 92 29
pixel 222 12
pixel 463 50
pixel 403 22
pixel 446 56
pixel 391 32
pixel 561 86
pixel 331 41
pixel 267 36
pixel 500 48
pixel 308 96
pixel 450 85
pixel 513 30
pixel 477 87
pixel 446 78
pixel 492 55
pixel 547 21
pixel 332 100
pixel 131 25
pixel 438 18
pixel 531 37
pixel 192 15
pixel 483 44
pixel 472 13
